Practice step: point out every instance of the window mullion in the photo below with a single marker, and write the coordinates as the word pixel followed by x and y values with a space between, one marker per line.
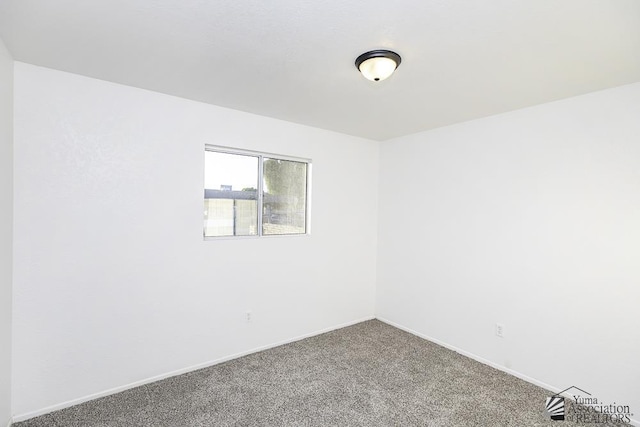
pixel 260 193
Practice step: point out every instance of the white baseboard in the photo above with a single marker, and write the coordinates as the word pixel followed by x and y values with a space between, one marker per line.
pixel 484 361
pixel 69 403
pixel 473 356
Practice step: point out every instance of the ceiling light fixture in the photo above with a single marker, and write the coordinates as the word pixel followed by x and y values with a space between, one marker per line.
pixel 377 65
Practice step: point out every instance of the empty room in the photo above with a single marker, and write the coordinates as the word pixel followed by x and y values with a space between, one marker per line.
pixel 319 213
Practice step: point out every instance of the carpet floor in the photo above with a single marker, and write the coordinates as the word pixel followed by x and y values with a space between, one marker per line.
pixel 369 374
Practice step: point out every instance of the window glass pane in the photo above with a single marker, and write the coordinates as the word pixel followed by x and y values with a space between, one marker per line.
pixel 230 194
pixel 285 197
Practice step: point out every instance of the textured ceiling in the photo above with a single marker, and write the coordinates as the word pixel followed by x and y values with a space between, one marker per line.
pixel 293 59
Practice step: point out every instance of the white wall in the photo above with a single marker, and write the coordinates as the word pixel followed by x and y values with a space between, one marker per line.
pixel 113 281
pixel 530 219
pixel 6 225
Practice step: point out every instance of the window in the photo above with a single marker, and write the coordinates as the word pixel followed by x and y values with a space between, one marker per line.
pixel 254 194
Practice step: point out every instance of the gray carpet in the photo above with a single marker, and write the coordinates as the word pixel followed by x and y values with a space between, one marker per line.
pixel 369 374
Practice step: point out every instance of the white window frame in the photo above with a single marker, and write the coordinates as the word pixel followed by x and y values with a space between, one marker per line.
pixel 261 155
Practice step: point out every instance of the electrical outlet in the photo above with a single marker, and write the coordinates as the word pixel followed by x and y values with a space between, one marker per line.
pixel 500 330
pixel 248 315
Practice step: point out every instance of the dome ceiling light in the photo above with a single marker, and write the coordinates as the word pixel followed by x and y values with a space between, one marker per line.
pixel 377 65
